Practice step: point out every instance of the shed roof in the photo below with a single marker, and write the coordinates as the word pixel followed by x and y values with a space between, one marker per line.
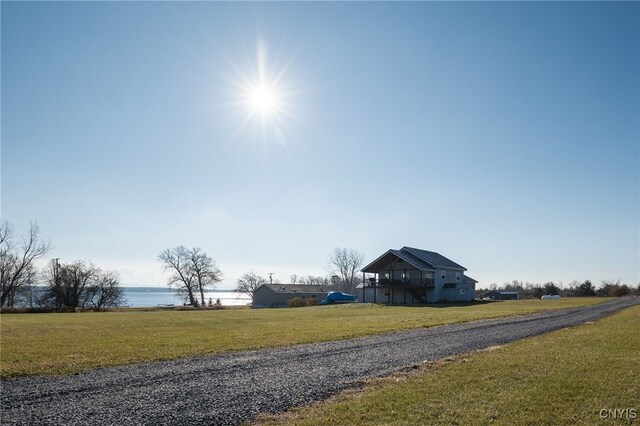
pixel 297 288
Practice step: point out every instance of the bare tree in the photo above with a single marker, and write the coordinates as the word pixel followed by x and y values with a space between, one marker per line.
pixel 105 291
pixel 249 283
pixel 346 263
pixel 176 261
pixel 205 271
pixel 81 285
pixel 314 280
pixel 17 259
pixel 293 278
pixel 68 284
pixel 191 271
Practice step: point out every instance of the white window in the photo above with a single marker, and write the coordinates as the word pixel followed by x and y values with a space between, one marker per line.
pixel 457 276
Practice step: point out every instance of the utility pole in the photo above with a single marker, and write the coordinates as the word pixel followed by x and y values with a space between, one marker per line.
pixel 270 277
pixel 56 269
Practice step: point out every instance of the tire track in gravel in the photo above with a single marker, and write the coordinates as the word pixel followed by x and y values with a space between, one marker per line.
pixel 233 388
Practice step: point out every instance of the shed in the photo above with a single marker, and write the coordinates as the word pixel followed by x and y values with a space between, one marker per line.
pixel 278 295
pixel 500 295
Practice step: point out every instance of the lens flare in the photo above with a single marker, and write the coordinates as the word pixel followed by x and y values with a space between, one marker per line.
pixel 264 95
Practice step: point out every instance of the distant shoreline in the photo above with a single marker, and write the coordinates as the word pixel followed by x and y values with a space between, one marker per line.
pixel 165 288
pixel 160 296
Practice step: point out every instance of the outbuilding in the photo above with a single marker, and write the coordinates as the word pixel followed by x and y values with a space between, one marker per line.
pixel 278 295
pixel 500 295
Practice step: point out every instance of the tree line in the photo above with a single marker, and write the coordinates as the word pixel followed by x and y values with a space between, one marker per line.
pixel 574 289
pixel 58 286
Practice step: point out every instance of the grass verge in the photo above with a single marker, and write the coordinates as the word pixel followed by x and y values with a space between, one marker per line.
pixel 564 377
pixel 48 344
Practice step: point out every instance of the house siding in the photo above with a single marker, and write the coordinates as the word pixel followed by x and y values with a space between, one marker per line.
pixel 462 292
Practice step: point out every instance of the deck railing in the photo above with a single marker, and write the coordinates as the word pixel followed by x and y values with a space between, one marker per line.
pixel 386 282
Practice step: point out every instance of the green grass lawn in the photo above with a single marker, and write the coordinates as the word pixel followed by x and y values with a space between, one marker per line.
pixel 565 377
pixel 48 344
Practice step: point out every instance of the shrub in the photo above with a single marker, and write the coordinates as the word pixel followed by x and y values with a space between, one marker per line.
pixel 299 302
pixel 296 302
pixel 186 308
pixel 33 310
pixel 619 290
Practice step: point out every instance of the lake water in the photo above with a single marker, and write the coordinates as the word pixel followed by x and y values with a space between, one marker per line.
pixel 139 297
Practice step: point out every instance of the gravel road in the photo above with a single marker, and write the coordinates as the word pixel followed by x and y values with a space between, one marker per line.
pixel 230 389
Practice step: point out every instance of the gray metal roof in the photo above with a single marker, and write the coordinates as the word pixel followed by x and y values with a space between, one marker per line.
pixel 433 258
pixel 298 288
pixel 468 279
pixel 413 260
pixel 420 259
pixel 384 260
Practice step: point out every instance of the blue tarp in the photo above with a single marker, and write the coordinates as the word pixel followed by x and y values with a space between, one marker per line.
pixel 339 297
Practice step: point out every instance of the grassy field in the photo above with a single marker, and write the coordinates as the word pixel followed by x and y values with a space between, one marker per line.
pixel 47 344
pixel 565 377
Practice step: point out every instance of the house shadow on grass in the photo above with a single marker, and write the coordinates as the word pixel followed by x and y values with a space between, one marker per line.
pixel 442 304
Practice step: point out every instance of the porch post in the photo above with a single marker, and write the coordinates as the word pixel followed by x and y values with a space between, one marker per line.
pixel 364 290
pixel 389 287
pixel 375 287
pixel 404 290
pixel 393 286
pixel 391 278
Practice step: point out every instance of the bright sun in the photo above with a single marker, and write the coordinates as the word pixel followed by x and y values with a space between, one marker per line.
pixel 265 95
pixel 263 99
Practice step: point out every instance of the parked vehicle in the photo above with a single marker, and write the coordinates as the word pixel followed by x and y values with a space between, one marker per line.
pixel 335 297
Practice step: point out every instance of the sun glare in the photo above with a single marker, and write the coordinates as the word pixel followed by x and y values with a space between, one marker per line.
pixel 263 99
pixel 265 96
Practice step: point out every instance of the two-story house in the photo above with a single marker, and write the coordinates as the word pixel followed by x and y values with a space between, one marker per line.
pixel 411 275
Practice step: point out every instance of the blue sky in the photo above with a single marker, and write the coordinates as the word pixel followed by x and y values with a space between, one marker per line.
pixel 503 135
